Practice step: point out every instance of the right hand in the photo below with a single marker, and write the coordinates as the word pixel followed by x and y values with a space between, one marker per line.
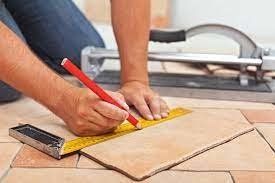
pixel 87 115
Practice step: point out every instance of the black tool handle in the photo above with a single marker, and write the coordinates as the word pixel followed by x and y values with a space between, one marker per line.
pixel 167 36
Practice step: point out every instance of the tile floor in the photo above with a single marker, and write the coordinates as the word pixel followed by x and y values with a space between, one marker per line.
pixel 247 158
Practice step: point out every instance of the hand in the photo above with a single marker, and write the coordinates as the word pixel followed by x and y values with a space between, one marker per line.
pixel 146 101
pixel 86 114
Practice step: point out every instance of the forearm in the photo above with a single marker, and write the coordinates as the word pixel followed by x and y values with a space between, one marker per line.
pixel 20 68
pixel 131 23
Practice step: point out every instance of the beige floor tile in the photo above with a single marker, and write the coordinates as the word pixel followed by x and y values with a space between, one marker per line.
pixel 88 163
pixel 7 152
pixel 31 158
pixel 268 131
pixel 25 107
pixel 6 122
pixel 143 153
pixel 253 177
pixel 260 116
pixel 53 124
pixel 218 104
pixel 247 152
pixel 68 175
pixel 196 177
pixel 63 175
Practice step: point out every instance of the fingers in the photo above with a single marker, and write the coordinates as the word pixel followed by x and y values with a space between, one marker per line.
pixel 120 99
pixel 111 111
pixel 141 105
pixel 154 104
pixel 164 109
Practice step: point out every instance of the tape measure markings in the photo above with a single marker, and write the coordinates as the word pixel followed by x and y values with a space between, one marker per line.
pixel 126 128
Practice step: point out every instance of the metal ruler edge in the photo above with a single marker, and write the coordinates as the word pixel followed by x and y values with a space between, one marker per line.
pixel 123 129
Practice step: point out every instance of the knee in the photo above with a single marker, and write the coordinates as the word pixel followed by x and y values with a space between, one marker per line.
pixel 8 94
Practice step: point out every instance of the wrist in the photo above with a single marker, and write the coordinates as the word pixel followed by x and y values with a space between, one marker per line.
pixel 66 98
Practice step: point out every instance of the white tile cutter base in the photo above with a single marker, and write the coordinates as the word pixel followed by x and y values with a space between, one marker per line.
pixel 250 55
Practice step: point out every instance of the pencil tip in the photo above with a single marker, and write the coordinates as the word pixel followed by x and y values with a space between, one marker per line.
pixel 64 61
pixel 138 126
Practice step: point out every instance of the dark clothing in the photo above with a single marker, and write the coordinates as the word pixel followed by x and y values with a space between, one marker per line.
pixel 52 29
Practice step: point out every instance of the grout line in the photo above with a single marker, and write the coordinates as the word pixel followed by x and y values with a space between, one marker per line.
pixel 9 168
pixel 178 170
pixel 260 133
pixel 18 152
pixel 246 117
pixel 5 174
pixel 77 161
pixel 233 180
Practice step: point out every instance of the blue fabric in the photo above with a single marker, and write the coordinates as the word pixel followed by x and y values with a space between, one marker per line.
pixel 53 29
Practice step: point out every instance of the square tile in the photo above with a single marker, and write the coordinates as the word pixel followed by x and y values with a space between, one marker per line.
pixel 88 163
pixel 253 177
pixel 268 132
pixel 6 122
pixel 148 151
pixel 68 175
pixel 25 107
pixel 246 152
pixel 63 175
pixel 260 116
pixel 29 157
pixel 7 152
pixel 216 104
pixel 196 177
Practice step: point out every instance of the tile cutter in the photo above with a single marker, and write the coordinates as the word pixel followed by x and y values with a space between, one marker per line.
pixel 251 88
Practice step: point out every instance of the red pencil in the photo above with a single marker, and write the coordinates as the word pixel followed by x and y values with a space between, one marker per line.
pixel 70 67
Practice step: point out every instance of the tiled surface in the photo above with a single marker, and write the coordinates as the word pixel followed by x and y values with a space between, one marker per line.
pixel 217 104
pixel 253 177
pixel 31 158
pixel 268 131
pixel 63 175
pixel 247 152
pixel 196 177
pixel 88 163
pixel 7 153
pixel 6 122
pixel 25 107
pixel 53 124
pixel 88 175
pixel 170 143
pixel 260 116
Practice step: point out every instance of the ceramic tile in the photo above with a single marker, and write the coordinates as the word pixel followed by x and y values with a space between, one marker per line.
pixel 25 107
pixel 260 116
pixel 247 152
pixel 6 122
pixel 217 104
pixel 31 158
pixel 7 152
pixel 63 175
pixel 253 177
pixel 53 124
pixel 148 151
pixel 198 177
pixel 68 175
pixel 88 163
pixel 268 131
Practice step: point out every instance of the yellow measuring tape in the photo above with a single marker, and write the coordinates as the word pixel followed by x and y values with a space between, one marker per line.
pixel 82 142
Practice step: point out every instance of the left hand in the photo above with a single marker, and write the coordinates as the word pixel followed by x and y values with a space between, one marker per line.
pixel 149 104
